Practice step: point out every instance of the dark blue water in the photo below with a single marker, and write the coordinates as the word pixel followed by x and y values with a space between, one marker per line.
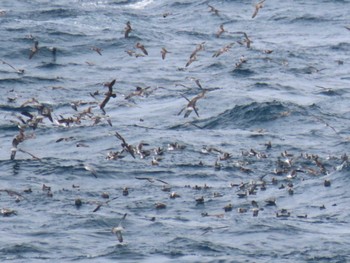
pixel 295 97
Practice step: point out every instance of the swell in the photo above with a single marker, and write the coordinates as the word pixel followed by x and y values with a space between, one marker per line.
pixel 248 115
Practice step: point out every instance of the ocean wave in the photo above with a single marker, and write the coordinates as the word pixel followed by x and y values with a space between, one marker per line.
pixel 140 4
pixel 245 116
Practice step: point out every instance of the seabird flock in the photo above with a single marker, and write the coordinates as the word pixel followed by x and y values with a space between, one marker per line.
pixel 287 165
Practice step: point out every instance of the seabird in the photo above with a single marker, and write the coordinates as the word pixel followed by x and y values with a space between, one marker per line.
pixel 257 7
pixel 34 49
pixel 109 94
pixel 220 31
pixel 160 205
pixel 164 52
pixel 126 147
pixel 174 195
pixel 222 50
pixel 118 229
pixel 142 47
pixel 246 40
pixel 15 142
pixel 213 10
pixel 128 29
pixel 138 92
pixel 192 59
pixel 90 169
pixel 192 104
pixel 32 155
pixel 151 179
pixel 199 47
pixel 242 60
pixel 228 207
pixel 97 49
pixel 100 204
pixel 45 111
pixel 19 71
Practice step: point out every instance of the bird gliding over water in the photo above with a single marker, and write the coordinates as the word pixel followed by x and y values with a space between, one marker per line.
pixel 191 106
pixel 257 8
pixel 118 229
pixel 109 94
pixel 34 49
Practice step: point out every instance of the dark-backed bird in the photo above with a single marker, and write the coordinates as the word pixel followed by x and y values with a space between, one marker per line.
pixel 213 10
pixel 164 52
pixel 191 106
pixel 142 47
pixel 128 29
pixel 109 94
pixel 126 147
pixel 45 111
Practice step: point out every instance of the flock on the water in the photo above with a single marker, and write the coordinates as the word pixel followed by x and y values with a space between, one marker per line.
pixel 287 167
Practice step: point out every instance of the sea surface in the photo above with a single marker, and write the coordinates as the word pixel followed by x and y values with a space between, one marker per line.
pixel 259 167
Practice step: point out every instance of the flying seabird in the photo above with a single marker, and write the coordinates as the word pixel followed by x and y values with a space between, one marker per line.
pixel 45 111
pixel 97 49
pixel 126 147
pixel 213 10
pixel 100 204
pixel 192 104
pixel 118 229
pixel 34 49
pixel 19 71
pixel 138 92
pixel 16 141
pixel 164 52
pixel 257 7
pixel 222 50
pixel 220 31
pixel 91 169
pixel 142 47
pixel 151 179
pixel 109 94
pixel 191 60
pixel 199 47
pixel 246 40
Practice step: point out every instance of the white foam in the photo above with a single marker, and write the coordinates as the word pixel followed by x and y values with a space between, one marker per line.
pixel 141 4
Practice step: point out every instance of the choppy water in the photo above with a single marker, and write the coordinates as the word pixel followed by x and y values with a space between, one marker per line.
pixel 295 97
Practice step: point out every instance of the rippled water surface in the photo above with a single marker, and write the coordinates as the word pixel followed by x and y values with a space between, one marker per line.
pixel 251 165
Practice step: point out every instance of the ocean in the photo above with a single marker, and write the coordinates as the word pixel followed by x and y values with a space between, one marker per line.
pixel 231 148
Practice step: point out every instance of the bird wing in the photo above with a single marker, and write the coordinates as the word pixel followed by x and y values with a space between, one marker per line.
pixel 185 97
pixel 195 110
pixel 110 86
pixel 181 111
pixel 104 102
pixel 120 137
